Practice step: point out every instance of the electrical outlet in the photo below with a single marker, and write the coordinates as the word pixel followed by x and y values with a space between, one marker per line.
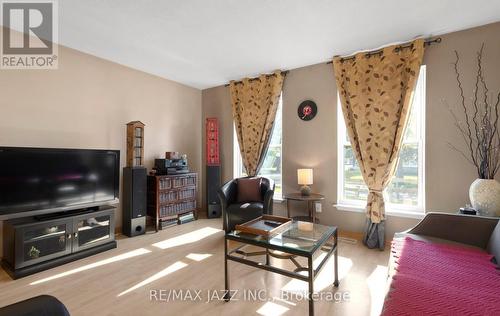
pixel 318 207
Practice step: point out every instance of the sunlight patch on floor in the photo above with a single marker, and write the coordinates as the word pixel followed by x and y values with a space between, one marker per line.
pixel 377 283
pixel 272 309
pixel 168 270
pixel 324 279
pixel 198 256
pixel 187 238
pixel 130 254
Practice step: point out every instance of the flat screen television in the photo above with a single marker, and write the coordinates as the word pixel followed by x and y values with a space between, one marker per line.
pixel 44 180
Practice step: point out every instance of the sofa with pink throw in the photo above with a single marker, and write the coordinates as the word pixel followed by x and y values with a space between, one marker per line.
pixel 446 265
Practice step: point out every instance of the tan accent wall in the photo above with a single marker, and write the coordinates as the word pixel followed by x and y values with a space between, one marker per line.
pixel 313 144
pixel 86 104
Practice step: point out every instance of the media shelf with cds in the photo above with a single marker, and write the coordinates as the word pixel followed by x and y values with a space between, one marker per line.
pixel 170 197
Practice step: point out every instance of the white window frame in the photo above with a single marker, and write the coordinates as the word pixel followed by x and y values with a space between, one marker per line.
pixel 238 162
pixel 416 211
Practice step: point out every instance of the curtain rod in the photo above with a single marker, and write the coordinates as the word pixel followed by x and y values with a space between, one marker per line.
pixel 252 79
pixel 427 42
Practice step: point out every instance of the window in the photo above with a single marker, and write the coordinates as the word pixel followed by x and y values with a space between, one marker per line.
pixel 405 192
pixel 271 167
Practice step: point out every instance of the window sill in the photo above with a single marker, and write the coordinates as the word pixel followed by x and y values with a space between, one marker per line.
pixel 278 199
pixel 393 213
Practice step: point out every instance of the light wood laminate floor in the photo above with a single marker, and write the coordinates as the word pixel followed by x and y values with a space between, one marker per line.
pixel 190 257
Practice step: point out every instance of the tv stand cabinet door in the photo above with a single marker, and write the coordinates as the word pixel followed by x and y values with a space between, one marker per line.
pixel 93 229
pixel 39 242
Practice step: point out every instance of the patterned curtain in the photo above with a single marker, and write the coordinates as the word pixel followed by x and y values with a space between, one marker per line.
pixel 375 93
pixel 254 103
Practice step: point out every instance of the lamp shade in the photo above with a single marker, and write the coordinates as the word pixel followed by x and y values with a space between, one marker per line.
pixel 305 176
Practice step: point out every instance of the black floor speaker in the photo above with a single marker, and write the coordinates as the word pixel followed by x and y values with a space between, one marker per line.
pixel 134 201
pixel 213 185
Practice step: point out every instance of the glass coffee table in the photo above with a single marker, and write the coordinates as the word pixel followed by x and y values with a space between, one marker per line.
pixel 300 239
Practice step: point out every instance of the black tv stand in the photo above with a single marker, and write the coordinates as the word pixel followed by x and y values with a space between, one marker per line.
pixel 50 216
pixel 38 243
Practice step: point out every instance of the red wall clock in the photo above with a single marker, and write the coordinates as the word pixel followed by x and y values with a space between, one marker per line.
pixel 307 110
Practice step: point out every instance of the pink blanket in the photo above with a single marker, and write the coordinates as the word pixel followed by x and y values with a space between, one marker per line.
pixel 438 279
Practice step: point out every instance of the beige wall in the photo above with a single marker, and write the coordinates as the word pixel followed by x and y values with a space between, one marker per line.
pixel 313 143
pixel 87 102
pixel 448 174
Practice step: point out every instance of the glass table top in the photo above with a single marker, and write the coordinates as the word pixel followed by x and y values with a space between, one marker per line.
pixel 304 237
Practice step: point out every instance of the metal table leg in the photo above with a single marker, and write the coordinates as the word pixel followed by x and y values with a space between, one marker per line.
pixel 336 260
pixel 309 211
pixel 226 273
pixel 311 285
pixel 313 211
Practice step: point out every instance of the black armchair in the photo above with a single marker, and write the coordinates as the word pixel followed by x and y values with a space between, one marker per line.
pixel 238 212
pixel 38 305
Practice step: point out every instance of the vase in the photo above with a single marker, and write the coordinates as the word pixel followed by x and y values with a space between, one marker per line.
pixel 484 196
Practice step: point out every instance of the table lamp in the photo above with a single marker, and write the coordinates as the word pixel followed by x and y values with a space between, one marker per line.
pixel 305 177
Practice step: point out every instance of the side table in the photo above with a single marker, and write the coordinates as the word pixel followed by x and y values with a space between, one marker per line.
pixel 310 199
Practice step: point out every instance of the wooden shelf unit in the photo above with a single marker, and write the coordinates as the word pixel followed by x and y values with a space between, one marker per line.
pixel 171 195
pixel 135 143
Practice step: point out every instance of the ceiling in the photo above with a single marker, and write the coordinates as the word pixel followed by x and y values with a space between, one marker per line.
pixel 204 43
